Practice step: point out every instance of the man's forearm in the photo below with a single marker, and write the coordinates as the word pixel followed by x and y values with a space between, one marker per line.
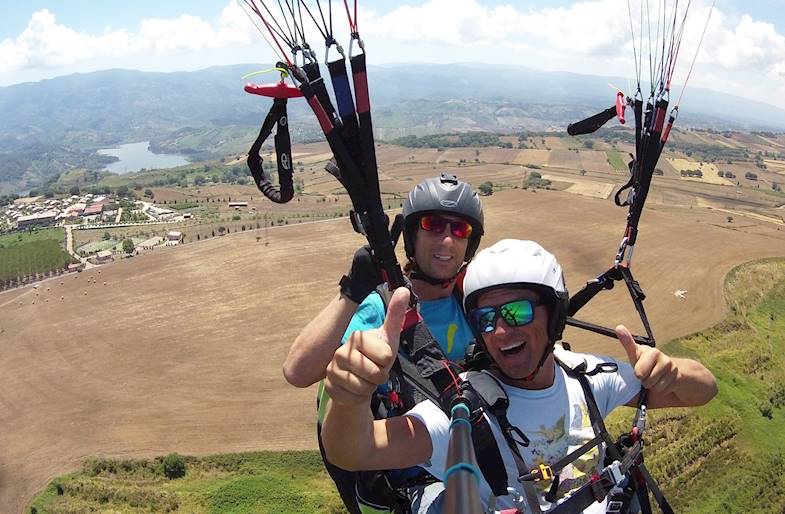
pixel 695 384
pixel 348 435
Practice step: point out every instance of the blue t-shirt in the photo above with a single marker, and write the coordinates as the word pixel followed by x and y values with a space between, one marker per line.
pixel 444 318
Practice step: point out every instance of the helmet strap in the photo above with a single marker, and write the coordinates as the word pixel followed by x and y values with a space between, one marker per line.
pixel 545 354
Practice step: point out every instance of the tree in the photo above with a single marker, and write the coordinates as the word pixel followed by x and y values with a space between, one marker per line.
pixel 122 191
pixel 149 193
pixel 221 230
pixel 486 188
pixel 74 190
pixel 173 466
pixel 128 246
pixel 107 236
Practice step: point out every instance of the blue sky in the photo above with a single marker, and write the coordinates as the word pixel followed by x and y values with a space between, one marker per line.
pixel 744 50
pixel 95 16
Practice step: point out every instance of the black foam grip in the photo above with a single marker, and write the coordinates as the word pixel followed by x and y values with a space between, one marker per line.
pixel 592 123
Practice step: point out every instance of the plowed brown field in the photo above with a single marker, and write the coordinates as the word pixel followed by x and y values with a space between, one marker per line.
pixel 181 350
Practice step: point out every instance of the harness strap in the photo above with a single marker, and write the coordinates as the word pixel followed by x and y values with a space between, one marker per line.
pixel 283 150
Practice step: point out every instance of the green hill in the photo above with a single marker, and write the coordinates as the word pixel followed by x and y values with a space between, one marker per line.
pixel 728 456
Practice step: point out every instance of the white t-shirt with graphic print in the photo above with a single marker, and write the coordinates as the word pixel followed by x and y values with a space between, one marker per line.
pixel 556 421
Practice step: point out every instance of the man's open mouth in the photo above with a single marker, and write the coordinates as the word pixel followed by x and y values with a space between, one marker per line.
pixel 512 349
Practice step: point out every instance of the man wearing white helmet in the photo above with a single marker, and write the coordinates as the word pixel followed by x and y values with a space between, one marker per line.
pixel 442 227
pixel 516 303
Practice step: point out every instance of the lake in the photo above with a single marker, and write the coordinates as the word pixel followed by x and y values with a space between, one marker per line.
pixel 135 156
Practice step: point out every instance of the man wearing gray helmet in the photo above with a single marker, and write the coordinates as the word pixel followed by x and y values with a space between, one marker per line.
pixel 443 224
pixel 516 302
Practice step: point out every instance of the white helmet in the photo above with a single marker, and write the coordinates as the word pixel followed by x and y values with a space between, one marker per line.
pixel 522 264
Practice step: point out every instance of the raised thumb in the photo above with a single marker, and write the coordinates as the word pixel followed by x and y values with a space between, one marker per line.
pixel 628 343
pixel 396 311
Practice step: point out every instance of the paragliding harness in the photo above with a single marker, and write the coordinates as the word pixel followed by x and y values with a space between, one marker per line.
pixel 429 376
pixel 623 457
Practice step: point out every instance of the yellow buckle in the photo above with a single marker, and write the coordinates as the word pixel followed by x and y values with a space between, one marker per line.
pixel 544 472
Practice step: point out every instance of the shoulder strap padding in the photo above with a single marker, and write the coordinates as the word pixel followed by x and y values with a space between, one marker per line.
pixel 571 361
pixel 486 449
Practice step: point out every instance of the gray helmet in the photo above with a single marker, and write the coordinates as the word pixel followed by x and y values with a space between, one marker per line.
pixel 447 195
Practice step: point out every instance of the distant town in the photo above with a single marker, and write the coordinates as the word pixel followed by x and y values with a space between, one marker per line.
pixel 87 211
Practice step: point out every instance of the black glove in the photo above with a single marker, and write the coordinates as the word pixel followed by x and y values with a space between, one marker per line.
pixel 363 276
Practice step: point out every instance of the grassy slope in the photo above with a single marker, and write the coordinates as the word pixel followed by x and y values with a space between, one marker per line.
pixel 723 457
pixel 263 482
pixel 728 456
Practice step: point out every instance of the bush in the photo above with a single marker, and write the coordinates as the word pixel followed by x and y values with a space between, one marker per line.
pixel 486 188
pixel 173 466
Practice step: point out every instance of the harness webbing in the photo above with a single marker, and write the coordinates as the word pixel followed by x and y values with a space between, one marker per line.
pixel 276 117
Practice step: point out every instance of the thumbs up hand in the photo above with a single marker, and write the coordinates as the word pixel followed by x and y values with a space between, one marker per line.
pixel 656 371
pixel 364 361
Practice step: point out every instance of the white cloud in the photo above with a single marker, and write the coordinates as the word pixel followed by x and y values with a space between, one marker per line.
pixel 751 45
pixel 45 43
pixel 589 36
pixel 585 27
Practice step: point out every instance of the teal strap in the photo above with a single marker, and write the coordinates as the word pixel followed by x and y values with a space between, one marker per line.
pixel 460 420
pixel 460 406
pixel 462 466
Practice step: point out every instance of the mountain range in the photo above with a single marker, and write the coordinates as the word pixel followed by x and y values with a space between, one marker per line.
pixel 76 114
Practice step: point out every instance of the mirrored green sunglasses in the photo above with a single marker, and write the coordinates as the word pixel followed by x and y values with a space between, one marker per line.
pixel 515 313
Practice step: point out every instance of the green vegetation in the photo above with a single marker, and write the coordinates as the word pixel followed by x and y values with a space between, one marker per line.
pixel 729 456
pixel 128 246
pixel 535 181
pixel 709 152
pixel 617 160
pixel 28 253
pixel 183 206
pixel 263 482
pixel 173 466
pixel 457 140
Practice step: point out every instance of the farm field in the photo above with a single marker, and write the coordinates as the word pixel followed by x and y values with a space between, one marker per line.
pixel 180 349
pixel 32 252
pixel 594 161
pixel 564 159
pixel 194 366
pixel 618 161
pixel 538 157
pixel 708 170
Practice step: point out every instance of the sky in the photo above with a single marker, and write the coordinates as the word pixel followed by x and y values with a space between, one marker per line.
pixel 743 51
